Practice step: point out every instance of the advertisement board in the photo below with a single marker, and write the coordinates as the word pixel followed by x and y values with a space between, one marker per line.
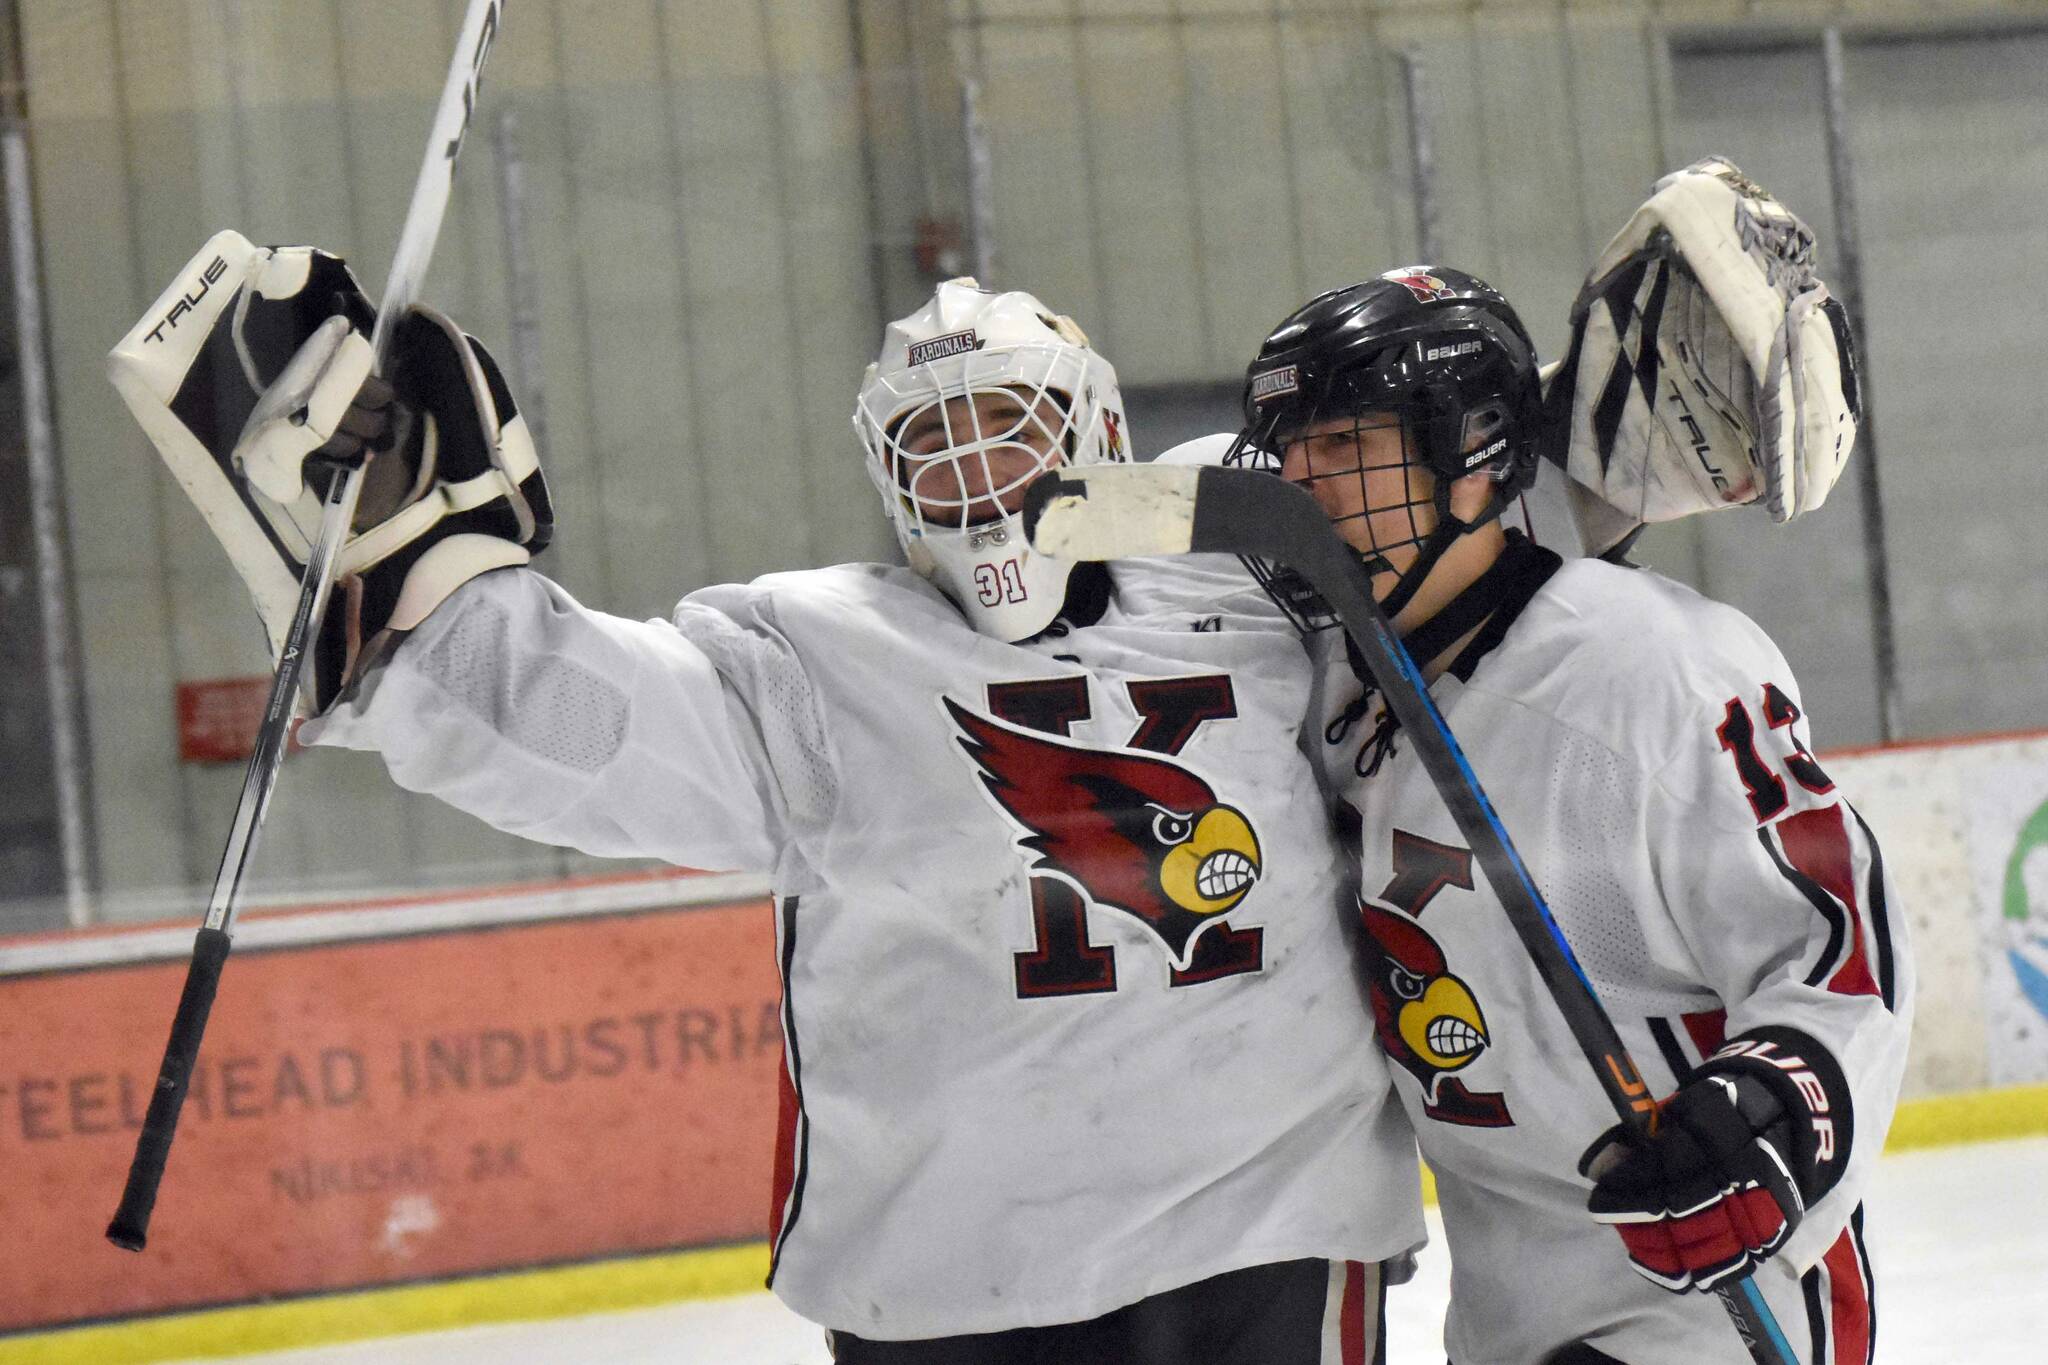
pixel 381 1110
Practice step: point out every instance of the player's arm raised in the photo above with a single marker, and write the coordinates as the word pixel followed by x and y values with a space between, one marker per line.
pixel 253 371
pixel 494 691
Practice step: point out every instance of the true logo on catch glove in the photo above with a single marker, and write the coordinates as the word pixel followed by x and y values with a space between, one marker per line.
pixel 192 371
pixel 254 368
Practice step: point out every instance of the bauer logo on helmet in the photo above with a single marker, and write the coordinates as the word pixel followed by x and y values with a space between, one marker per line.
pixel 1428 353
pixel 1490 451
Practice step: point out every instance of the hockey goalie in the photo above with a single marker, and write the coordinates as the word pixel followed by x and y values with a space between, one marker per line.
pixel 1074 1049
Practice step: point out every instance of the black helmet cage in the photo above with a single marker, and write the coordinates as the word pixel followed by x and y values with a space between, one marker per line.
pixel 1458 377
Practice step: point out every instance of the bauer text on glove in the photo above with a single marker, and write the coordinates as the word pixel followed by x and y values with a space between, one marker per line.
pixel 1740 1152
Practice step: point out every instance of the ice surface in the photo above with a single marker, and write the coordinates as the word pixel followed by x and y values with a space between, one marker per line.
pixel 1958 1238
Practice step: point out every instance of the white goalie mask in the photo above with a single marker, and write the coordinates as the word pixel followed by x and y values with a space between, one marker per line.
pixel 973 396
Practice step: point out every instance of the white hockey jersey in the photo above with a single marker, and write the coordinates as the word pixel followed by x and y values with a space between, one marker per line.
pixel 1645 750
pixel 1071 1009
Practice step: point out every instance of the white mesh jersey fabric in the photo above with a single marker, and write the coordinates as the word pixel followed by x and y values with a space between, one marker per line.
pixel 769 679
pixel 553 707
pixel 1592 856
pixel 944 1076
pixel 514 702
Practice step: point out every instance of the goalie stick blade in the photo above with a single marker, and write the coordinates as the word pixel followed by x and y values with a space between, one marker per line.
pixel 1127 511
pixel 1256 512
pixel 1112 511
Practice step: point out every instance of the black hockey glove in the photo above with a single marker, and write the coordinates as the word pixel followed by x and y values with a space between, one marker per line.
pixel 1741 1151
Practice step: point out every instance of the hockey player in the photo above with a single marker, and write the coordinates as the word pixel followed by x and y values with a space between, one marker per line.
pixel 1646 749
pixel 1070 1013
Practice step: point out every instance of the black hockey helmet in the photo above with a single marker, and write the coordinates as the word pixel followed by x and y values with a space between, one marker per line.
pixel 1429 348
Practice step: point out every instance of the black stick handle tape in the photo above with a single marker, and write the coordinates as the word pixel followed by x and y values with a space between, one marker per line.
pixel 130 1228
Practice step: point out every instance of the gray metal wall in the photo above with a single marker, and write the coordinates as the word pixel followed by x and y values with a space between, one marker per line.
pixel 31 862
pixel 1181 176
pixel 1949 136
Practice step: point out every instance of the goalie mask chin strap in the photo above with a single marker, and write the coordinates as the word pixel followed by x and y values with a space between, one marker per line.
pixel 1088 589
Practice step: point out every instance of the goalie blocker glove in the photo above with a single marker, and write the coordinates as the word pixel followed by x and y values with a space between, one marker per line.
pixel 251 374
pixel 1758 1135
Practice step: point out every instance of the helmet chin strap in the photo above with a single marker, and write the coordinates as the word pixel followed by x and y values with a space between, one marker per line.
pixel 1431 548
pixel 1448 529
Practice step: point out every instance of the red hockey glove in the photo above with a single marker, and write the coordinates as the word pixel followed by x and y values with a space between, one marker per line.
pixel 1741 1151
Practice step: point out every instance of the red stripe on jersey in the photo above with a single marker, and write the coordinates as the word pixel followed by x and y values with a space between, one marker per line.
pixel 1351 1315
pixel 1708 1030
pixel 1817 843
pixel 1848 1301
pixel 787 1113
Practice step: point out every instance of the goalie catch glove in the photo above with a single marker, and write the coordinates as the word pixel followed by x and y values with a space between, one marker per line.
pixel 1709 366
pixel 251 375
pixel 1756 1137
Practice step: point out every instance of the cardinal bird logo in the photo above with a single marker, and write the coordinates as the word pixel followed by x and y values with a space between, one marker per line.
pixel 1113 434
pixel 1135 833
pixel 1427 1019
pixel 1424 286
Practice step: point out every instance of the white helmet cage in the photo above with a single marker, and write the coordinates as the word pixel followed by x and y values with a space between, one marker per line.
pixel 954 508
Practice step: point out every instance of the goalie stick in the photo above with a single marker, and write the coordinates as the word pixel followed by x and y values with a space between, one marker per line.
pixel 1117 512
pixel 130 1226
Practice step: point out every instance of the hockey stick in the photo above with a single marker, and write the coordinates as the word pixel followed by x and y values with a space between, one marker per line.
pixel 130 1228
pixel 1122 511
